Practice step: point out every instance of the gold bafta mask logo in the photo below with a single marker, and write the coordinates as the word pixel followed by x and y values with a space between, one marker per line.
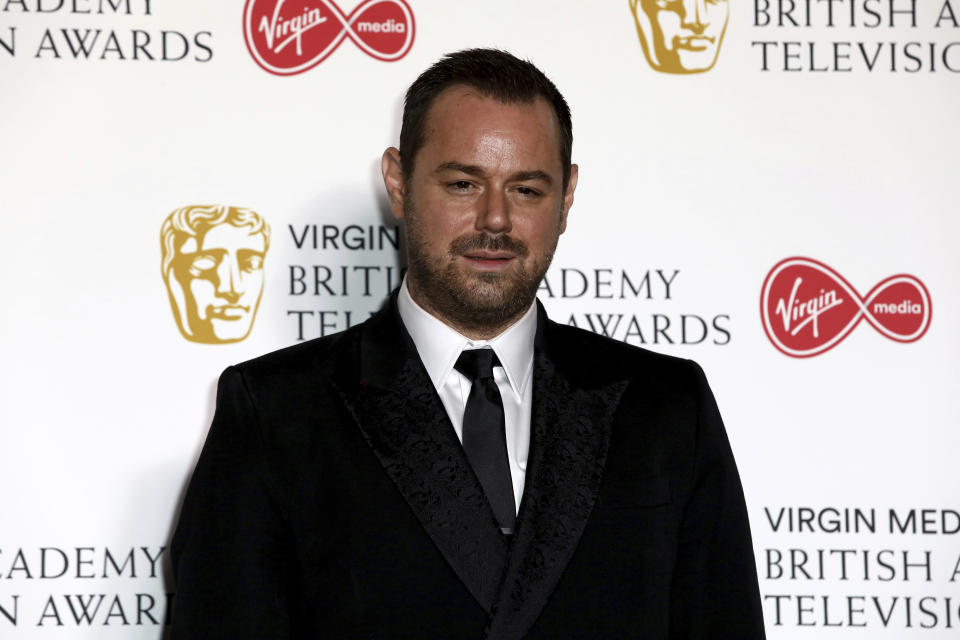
pixel 213 268
pixel 681 36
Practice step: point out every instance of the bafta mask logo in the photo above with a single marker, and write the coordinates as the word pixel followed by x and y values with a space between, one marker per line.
pixel 681 36
pixel 213 268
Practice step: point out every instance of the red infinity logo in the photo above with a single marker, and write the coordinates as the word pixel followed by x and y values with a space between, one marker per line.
pixel 286 37
pixel 808 308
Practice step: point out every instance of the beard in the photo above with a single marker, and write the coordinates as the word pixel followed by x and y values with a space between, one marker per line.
pixel 479 302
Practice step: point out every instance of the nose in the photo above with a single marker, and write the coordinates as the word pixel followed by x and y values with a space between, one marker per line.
pixel 694 14
pixel 228 279
pixel 494 213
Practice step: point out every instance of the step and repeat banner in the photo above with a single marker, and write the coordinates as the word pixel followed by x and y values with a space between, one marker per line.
pixel 768 187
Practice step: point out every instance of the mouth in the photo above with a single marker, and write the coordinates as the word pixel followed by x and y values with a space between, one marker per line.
pixel 489 261
pixel 227 312
pixel 693 43
pixel 488 254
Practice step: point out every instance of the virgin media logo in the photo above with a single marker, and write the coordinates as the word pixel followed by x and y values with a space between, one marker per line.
pixel 286 37
pixel 808 308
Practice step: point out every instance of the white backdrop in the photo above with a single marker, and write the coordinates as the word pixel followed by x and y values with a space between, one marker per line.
pixel 692 187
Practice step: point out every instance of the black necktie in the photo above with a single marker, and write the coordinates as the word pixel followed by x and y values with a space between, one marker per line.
pixel 484 434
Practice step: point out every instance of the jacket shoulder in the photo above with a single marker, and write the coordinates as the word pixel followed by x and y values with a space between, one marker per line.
pixel 323 357
pixel 604 359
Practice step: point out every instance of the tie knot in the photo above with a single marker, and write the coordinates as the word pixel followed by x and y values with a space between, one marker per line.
pixel 477 364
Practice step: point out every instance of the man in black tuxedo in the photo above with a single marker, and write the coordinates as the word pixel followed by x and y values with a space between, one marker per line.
pixel 459 466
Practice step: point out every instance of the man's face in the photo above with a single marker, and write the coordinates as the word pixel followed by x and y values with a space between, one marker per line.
pixel 686 33
pixel 483 208
pixel 221 274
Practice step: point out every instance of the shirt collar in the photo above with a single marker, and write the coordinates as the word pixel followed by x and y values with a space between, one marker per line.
pixel 439 345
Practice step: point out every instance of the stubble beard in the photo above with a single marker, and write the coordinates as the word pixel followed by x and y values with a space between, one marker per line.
pixel 480 304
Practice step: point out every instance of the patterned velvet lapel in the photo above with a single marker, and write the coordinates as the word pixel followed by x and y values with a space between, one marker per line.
pixel 570 433
pixel 401 417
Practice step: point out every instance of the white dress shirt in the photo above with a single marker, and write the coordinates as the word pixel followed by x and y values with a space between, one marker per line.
pixel 439 347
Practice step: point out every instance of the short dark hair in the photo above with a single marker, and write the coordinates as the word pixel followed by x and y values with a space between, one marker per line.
pixel 494 73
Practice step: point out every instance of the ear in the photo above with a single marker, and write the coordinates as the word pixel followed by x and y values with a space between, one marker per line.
pixel 568 196
pixel 393 180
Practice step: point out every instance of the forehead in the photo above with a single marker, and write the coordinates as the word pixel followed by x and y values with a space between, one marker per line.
pixel 227 236
pixel 463 122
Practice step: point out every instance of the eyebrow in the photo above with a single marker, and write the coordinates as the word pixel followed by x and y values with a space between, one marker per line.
pixel 469 169
pixel 526 176
pixel 474 170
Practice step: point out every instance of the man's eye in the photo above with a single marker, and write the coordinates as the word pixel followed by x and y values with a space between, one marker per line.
pixel 527 191
pixel 461 185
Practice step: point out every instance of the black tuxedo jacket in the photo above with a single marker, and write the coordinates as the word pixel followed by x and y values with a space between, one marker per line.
pixel 333 500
